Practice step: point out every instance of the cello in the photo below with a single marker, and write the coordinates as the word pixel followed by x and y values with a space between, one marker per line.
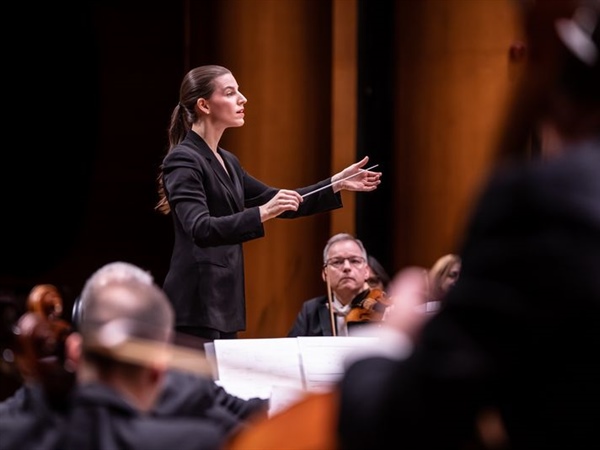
pixel 41 335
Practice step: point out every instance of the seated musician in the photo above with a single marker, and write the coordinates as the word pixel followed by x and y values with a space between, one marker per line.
pixel 441 277
pixel 181 394
pixel 345 271
pixel 378 277
pixel 115 389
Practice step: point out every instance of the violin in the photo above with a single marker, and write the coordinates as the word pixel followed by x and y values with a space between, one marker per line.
pixel 368 306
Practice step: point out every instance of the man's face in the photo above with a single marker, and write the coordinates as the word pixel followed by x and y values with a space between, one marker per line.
pixel 346 268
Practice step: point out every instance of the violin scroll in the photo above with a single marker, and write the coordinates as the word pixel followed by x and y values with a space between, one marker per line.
pixel 45 299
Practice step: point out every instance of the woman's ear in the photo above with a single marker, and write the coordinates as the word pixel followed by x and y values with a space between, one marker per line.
pixel 202 105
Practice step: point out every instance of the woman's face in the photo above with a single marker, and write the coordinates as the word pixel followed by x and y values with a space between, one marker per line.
pixel 225 107
pixel 451 277
pixel 373 280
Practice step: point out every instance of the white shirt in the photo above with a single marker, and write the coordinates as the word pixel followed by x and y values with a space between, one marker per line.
pixel 340 312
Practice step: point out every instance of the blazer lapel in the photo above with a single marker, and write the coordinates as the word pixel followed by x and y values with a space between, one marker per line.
pixel 234 182
pixel 325 319
pixel 223 177
pixel 235 195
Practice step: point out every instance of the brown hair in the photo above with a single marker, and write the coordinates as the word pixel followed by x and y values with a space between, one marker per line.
pixel 197 83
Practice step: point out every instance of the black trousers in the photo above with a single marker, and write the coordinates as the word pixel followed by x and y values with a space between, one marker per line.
pixel 203 333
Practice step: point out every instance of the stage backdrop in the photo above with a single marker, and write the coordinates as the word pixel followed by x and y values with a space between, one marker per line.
pixel 419 85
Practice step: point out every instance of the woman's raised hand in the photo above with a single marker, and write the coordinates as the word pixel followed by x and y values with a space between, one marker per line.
pixel 355 178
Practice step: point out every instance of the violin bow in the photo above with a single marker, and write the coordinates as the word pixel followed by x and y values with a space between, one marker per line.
pixel 331 315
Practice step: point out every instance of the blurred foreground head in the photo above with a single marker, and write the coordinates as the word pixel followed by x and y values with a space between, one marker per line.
pixel 119 303
pixel 113 271
pixel 123 310
pixel 125 335
pixel 559 92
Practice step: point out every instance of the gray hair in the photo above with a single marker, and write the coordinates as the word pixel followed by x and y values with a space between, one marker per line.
pixel 135 308
pixel 111 272
pixel 343 237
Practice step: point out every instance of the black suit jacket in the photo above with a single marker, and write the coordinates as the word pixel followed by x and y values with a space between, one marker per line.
pixel 213 214
pixel 188 395
pixel 182 395
pixel 99 418
pixel 519 332
pixel 313 319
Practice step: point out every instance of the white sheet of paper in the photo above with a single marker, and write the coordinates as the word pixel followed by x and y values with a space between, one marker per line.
pixel 258 364
pixel 322 358
pixel 283 369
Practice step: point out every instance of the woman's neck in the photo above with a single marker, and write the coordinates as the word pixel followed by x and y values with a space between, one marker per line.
pixel 209 134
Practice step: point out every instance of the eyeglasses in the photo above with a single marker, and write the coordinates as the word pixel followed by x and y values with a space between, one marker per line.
pixel 338 263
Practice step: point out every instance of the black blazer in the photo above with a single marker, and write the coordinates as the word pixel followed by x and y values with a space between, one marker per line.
pixel 213 214
pixel 518 333
pixel 313 319
pixel 98 418
pixel 182 395
pixel 189 395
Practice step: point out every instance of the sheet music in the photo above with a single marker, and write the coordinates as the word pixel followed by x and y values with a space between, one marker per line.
pixel 252 367
pixel 284 369
pixel 322 358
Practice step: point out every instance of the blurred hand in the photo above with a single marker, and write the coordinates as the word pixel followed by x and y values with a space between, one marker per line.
pixel 408 291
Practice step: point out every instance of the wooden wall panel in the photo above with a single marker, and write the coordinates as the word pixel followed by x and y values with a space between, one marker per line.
pixel 344 107
pixel 453 84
